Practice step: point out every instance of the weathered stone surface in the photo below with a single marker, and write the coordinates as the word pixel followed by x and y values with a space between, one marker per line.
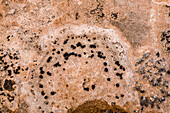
pixel 79 56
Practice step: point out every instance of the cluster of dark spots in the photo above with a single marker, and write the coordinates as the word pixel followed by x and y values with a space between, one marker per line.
pixel 80 45
pixel 98 11
pixel 120 66
pixel 86 86
pixel 165 39
pixel 41 70
pixel 9 72
pixel 120 75
pixel 138 88
pixel 49 59
pixel 92 46
pixel 10 98
pixel 100 55
pixel 67 55
pixel 73 47
pixel 16 71
pixel 8 38
pixel 153 71
pixel 57 64
pixel 141 60
pixel 8 85
pixel 65 41
pixel 114 15
pixel 55 42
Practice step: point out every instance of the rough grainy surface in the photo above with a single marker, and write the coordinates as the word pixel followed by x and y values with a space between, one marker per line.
pixel 84 56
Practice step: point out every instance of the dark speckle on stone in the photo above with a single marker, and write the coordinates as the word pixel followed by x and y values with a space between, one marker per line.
pixel 8 85
pixel 57 64
pixel 86 89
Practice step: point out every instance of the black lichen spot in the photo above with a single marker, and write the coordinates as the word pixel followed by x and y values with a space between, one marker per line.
pixel 158 106
pixel 79 55
pixel 93 86
pixel 117 97
pixel 122 95
pixel 46 97
pixel 53 93
pixel 117 84
pixel 157 54
pixel 108 79
pixel 105 63
pixel 48 73
pixel 57 64
pixel 117 63
pixel 100 55
pixel 142 91
pixel 80 45
pixel 91 56
pixel 120 75
pixel 41 77
pixel 92 46
pixel 42 93
pixel 6 67
pixel 40 86
pixel 9 72
pixel 58 52
pixel 8 38
pixel 77 15
pixel 49 59
pixel 106 69
pixel 53 49
pixel 10 98
pixel 86 89
pixel 73 47
pixel 41 70
pixel 114 15
pixel 168 72
pixel 65 42
pixel 8 85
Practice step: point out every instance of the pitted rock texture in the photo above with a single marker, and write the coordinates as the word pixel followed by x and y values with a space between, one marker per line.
pixel 79 56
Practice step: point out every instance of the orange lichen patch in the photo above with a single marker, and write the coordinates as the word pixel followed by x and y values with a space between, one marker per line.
pixel 97 106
